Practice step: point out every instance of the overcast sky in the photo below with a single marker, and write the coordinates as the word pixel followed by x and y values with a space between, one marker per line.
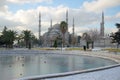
pixel 23 14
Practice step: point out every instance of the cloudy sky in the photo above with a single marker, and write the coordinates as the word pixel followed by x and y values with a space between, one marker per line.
pixel 23 14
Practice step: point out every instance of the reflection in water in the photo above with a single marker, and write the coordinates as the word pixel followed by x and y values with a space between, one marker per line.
pixel 16 66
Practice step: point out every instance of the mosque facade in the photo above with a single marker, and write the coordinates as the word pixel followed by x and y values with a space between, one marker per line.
pixel 54 33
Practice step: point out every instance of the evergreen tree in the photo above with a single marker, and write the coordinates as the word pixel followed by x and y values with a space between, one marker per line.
pixel 55 44
pixel 116 36
pixel 27 36
pixel 8 37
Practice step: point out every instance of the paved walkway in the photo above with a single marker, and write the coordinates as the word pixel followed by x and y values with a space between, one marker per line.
pixel 108 74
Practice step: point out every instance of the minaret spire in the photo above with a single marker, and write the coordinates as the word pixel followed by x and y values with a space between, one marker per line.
pixel 102 26
pixel 51 23
pixel 67 19
pixel 102 17
pixel 39 25
pixel 73 27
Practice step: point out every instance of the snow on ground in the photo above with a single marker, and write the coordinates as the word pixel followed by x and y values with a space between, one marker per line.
pixel 108 74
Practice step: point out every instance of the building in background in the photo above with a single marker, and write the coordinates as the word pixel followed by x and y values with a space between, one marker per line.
pixel 54 33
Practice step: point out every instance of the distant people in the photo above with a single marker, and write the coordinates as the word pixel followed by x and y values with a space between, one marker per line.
pixel 84 47
pixel 29 47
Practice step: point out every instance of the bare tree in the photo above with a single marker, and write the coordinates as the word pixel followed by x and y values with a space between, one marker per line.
pixel 87 38
pixel 91 36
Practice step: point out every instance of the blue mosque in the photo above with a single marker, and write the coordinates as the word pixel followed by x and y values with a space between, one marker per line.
pixel 54 32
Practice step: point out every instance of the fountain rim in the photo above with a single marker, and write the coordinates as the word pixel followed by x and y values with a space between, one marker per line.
pixel 56 75
pixel 68 73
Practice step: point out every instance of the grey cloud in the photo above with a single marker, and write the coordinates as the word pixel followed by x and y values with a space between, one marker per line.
pixel 99 5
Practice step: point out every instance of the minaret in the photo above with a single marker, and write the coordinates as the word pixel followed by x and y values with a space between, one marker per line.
pixel 73 27
pixel 102 26
pixel 67 19
pixel 51 23
pixel 39 25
